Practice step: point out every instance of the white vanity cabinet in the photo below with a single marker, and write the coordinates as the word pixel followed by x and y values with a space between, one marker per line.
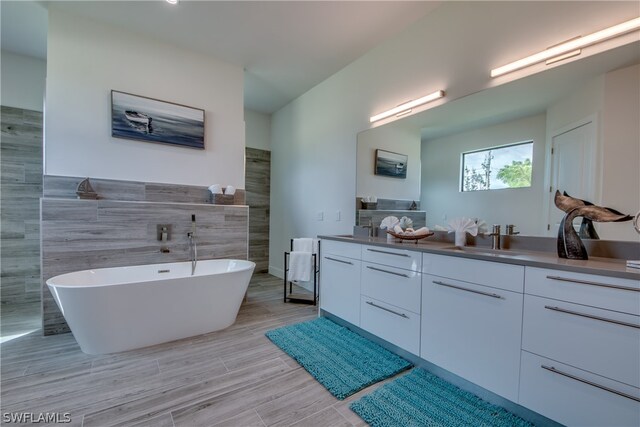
pixel 471 320
pixel 581 348
pixel 340 267
pixel 561 343
pixel 391 288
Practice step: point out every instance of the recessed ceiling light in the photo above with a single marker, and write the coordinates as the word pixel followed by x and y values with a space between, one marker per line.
pixel 172 1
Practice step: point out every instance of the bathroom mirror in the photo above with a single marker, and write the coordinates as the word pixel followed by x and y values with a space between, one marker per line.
pixel 586 110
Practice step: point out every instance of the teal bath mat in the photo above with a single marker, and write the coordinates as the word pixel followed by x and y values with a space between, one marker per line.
pixel 422 399
pixel 341 360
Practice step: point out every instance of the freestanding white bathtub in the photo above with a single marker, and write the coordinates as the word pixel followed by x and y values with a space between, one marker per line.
pixel 117 309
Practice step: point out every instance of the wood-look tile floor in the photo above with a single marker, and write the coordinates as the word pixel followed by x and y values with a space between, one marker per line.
pixel 234 377
pixel 19 319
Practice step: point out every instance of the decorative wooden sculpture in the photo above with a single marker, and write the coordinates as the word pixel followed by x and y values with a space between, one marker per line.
pixel 566 203
pixel 85 190
pixel 570 245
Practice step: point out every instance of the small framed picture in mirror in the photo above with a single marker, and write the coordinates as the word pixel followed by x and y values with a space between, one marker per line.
pixel 391 164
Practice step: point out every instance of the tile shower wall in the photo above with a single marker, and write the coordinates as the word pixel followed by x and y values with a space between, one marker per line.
pixel 258 183
pixel 121 229
pixel 387 207
pixel 21 189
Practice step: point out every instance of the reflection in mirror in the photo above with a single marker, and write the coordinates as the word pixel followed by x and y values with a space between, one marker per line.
pixel 587 111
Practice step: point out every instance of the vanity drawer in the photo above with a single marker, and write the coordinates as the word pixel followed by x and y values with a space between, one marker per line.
pixel 610 293
pixel 393 324
pixel 497 275
pixel 572 401
pixel 399 258
pixel 395 286
pixel 349 250
pixel 473 331
pixel 584 337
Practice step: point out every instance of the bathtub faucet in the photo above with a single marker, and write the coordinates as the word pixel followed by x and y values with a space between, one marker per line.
pixel 193 246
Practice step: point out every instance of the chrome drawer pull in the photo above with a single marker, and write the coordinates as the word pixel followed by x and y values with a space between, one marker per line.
pixel 387 252
pixel 488 294
pixel 582 380
pixel 388 272
pixel 386 309
pixel 338 260
pixel 586 282
pixel 591 316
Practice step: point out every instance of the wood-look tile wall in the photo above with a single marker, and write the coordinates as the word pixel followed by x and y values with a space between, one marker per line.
pixel 118 230
pixel 110 189
pixel 390 204
pixel 387 207
pixel 258 184
pixel 20 191
pixel 375 217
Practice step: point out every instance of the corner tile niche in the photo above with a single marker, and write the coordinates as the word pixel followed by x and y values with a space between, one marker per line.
pixel 120 229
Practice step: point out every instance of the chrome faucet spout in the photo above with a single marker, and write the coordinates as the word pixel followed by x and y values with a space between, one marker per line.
pixel 193 245
pixel 495 235
pixel 510 228
pixel 193 252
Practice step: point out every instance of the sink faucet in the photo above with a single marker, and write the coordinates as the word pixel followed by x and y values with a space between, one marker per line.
pixel 370 227
pixel 193 246
pixel 495 234
pixel 510 231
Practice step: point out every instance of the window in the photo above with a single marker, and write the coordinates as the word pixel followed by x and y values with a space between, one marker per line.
pixel 508 166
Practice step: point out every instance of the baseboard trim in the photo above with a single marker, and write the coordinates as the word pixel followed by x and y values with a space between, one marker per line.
pixel 275 271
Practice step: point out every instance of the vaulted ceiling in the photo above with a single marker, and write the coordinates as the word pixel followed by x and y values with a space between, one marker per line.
pixel 285 48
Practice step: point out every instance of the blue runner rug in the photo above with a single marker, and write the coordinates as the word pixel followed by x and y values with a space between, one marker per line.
pixel 341 360
pixel 422 399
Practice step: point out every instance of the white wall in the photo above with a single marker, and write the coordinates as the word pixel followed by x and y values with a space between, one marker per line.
pixel 257 130
pixel 23 81
pixel 441 195
pixel 621 150
pixel 313 138
pixel 395 139
pixel 86 60
pixel 578 105
pixel 614 99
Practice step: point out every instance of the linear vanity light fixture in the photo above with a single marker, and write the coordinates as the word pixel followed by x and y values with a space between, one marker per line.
pixel 569 48
pixel 405 108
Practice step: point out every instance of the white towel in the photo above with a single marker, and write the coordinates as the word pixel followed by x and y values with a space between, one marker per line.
pixel 230 190
pixel 215 189
pixel 299 266
pixel 389 222
pixel 301 260
pixel 303 245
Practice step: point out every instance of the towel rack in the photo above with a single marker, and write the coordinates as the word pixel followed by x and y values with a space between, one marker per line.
pixel 290 296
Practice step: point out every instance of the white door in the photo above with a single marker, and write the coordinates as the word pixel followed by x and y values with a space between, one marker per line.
pixel 573 168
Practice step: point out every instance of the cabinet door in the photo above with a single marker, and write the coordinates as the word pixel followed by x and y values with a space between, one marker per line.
pixel 473 331
pixel 575 397
pixel 340 287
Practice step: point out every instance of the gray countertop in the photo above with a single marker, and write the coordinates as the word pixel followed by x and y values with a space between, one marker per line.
pixel 595 265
